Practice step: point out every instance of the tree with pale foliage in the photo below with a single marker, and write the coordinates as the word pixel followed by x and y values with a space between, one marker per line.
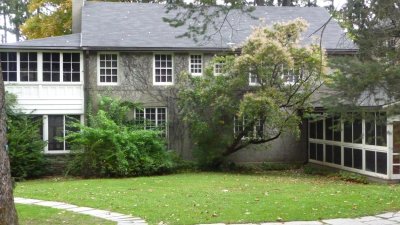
pixel 284 75
pixel 48 18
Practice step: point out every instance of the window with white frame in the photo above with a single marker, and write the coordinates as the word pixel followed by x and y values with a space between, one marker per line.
pixel 253 79
pixel 254 132
pixel 163 69
pixel 218 68
pixel 196 64
pixel 51 66
pixel 108 68
pixel 375 128
pixel 28 66
pixel 289 76
pixel 9 66
pixel 152 118
pixel 71 67
pixel 57 128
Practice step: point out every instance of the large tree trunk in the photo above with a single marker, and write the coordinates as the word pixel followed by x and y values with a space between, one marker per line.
pixel 8 213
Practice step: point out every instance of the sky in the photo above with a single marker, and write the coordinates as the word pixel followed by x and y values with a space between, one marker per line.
pixel 337 3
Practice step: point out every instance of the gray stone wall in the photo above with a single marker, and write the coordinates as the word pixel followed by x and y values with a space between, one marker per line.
pixel 136 84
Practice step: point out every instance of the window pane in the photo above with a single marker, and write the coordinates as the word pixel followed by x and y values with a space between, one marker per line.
pixel 357 129
pixel 381 129
pixel 357 154
pixel 320 129
pixel 337 129
pixel 381 163
pixel 313 151
pixel 55 129
pixel 329 128
pixel 329 153
pixel 370 128
pixel 337 155
pixel 313 127
pixel 370 161
pixel 320 152
pixel 348 157
pixel 347 131
pixel 69 119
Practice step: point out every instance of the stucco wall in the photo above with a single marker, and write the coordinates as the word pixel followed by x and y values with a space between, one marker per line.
pixel 136 84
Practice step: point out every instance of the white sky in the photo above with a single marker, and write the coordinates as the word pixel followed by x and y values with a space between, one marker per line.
pixel 337 3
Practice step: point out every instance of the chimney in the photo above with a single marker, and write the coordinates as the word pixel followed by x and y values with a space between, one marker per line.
pixel 77 15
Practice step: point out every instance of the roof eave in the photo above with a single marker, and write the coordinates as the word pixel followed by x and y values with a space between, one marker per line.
pixel 16 47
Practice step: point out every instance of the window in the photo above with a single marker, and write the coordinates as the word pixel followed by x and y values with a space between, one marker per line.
pixel 196 64
pixel 152 119
pixel 51 67
pixel 353 128
pixel 289 76
pixel 316 151
pixel 376 162
pixel 375 125
pixel 242 123
pixel 332 129
pixel 218 68
pixel 316 129
pixel 57 128
pixel 163 69
pixel 28 66
pixel 333 154
pixel 108 68
pixel 253 79
pixel 353 158
pixel 71 67
pixel 9 65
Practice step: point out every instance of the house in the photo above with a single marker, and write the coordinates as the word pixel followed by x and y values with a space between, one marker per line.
pixel 126 50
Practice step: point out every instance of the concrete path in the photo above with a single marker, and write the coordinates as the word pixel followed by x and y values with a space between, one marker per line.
pixel 121 219
pixel 381 219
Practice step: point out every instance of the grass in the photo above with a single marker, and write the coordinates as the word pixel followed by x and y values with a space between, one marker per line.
pixel 39 215
pixel 191 198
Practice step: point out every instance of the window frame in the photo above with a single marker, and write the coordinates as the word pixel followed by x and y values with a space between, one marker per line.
pixel 202 64
pixel 99 83
pixel 143 109
pixel 172 69
pixel 45 126
pixel 8 70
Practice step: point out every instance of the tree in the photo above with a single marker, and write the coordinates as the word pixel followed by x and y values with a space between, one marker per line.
pixel 284 75
pixel 374 74
pixel 48 18
pixel 8 214
pixel 14 13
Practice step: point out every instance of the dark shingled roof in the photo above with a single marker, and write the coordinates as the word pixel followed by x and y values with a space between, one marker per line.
pixel 111 25
pixel 72 41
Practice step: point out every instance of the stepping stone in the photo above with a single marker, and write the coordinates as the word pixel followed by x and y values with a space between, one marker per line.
pixel 26 201
pixel 367 218
pixel 396 219
pixel 386 215
pixel 304 223
pixel 342 222
pixel 65 206
pixel 48 204
pixel 80 209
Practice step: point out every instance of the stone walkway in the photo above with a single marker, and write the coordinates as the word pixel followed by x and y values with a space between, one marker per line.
pixel 121 219
pixel 381 219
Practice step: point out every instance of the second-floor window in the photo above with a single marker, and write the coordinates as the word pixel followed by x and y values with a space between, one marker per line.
pixel 163 69
pixel 108 68
pixel 196 64
pixel 28 66
pixel 9 65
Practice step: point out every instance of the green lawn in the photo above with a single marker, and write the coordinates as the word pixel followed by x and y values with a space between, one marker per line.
pixel 38 215
pixel 216 197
